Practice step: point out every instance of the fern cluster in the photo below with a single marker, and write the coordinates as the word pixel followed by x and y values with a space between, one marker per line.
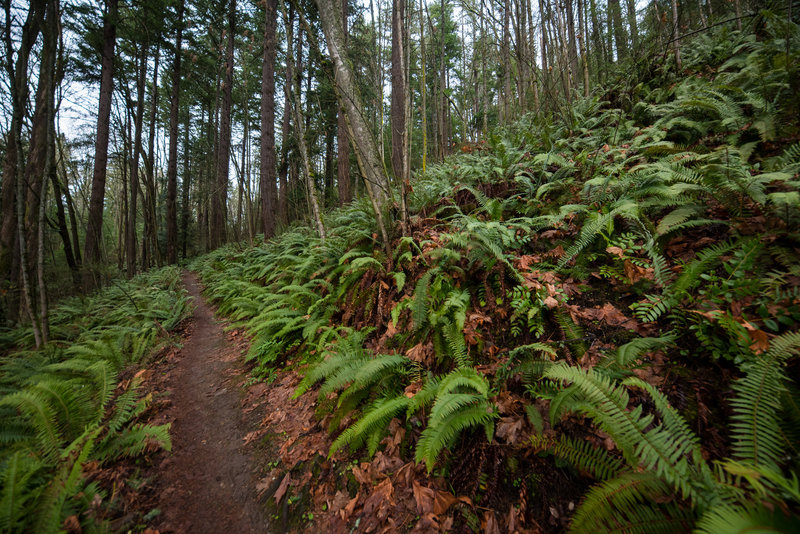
pixel 58 408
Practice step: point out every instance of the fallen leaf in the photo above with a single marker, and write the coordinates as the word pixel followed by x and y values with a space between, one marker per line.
pixel 489 523
pixel 617 251
pixel 508 429
pixel 281 491
pixel 424 498
pixel 760 341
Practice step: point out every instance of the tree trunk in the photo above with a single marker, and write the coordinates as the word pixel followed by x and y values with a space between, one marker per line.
pixel 615 17
pixel 12 164
pixel 130 238
pixel 423 87
pixel 343 141
pixel 299 124
pixel 283 171
pixel 186 185
pixel 42 134
pixel 366 148
pixel 63 230
pixel 172 164
pixel 675 31
pixel 151 254
pixel 632 24
pixel 399 130
pixel 218 230
pixel 267 143
pixel 92 249
pixel 584 54
pixel 73 218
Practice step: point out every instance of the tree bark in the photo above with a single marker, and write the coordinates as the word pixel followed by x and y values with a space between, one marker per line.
pixel 675 31
pixel 92 249
pixel 186 185
pixel 283 171
pixel 365 146
pixel 12 164
pixel 299 125
pixel 218 230
pixel 172 163
pixel 399 89
pixel 615 17
pixel 42 134
pixel 130 238
pixel 269 192
pixel 151 254
pixel 343 141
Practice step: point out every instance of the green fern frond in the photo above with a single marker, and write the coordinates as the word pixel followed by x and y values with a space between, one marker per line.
pixel 631 503
pixel 629 352
pixel 748 519
pixel 755 426
pixel 442 434
pixel 17 480
pixel 666 449
pixel 582 455
pixel 419 309
pixel 133 441
pixel 377 416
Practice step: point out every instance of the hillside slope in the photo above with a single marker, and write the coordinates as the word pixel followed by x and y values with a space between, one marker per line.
pixel 592 322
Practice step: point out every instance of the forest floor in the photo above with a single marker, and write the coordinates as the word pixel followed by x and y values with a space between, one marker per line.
pixel 249 457
pixel 207 482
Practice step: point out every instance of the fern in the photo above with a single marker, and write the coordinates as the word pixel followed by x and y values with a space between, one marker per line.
pixel 670 450
pixel 582 455
pixel 745 519
pixel 18 482
pixel 756 429
pixel 630 503
pixel 374 419
pixel 441 434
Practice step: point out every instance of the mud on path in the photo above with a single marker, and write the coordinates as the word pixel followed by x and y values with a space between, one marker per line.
pixel 207 484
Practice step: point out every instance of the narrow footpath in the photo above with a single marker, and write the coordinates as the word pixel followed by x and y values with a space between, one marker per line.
pixel 208 482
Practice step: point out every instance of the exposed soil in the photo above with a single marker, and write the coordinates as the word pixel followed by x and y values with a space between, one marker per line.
pixel 207 484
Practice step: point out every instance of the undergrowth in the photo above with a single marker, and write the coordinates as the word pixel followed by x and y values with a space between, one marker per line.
pixel 576 265
pixel 62 409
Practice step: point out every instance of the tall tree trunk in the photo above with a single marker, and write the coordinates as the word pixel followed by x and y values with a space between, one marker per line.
pixel 218 231
pixel 343 141
pixel 267 143
pixel 73 217
pixel 172 164
pixel 283 171
pixel 130 238
pixel 615 17
pixel 186 185
pixel 366 148
pixel 584 54
pixel 12 164
pixel 42 134
pixel 63 229
pixel 675 34
pixel 632 24
pixel 92 249
pixel 299 125
pixel 51 76
pixel 399 88
pixel 151 254
pixel 444 138
pixel 423 86
pixel 506 62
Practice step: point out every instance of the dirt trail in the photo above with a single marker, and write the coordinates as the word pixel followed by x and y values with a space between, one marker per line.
pixel 208 481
